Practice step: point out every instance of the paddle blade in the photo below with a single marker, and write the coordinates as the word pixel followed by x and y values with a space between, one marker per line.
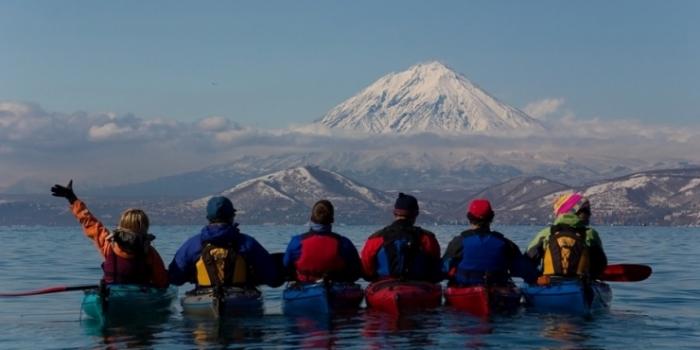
pixel 56 289
pixel 626 273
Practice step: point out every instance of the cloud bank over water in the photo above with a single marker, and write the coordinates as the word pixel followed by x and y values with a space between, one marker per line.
pixel 105 148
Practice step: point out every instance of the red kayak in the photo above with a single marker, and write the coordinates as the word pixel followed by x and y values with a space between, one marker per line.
pixel 482 301
pixel 396 296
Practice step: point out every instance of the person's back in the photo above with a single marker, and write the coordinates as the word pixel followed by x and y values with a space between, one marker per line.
pixel 480 256
pixel 221 256
pixel 568 248
pixel 129 257
pixel 320 253
pixel 402 250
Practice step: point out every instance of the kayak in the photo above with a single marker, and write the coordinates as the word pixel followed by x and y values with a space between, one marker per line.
pixel 127 301
pixel 321 298
pixel 568 296
pixel 396 296
pixel 234 302
pixel 482 301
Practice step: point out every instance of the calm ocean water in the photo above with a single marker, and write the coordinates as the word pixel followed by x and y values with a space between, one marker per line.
pixel 661 312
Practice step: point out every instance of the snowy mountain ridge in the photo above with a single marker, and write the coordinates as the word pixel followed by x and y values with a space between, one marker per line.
pixel 291 192
pixel 428 97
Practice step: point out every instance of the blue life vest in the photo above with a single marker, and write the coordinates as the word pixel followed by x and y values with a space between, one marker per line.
pixel 485 258
pixel 401 255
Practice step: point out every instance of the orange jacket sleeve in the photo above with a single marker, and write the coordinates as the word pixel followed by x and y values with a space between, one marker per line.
pixel 92 227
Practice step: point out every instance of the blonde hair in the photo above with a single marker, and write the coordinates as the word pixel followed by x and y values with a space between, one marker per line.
pixel 134 220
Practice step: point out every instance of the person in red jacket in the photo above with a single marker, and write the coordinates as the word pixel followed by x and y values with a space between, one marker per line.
pixel 321 253
pixel 402 250
pixel 128 255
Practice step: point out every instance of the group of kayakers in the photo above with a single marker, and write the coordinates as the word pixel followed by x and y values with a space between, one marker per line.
pixel 221 256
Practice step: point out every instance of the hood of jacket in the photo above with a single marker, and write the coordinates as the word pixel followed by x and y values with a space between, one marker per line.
pixel 220 233
pixel 569 219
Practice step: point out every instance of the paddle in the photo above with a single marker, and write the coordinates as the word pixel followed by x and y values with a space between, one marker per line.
pixel 278 261
pixel 625 273
pixel 56 289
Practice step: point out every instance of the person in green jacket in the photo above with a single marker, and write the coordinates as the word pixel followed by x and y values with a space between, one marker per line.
pixel 569 248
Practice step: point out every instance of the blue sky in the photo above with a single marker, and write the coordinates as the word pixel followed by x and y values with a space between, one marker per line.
pixel 272 64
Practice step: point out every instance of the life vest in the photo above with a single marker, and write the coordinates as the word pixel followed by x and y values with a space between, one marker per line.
pixel 118 270
pixel 484 258
pixel 221 266
pixel 566 253
pixel 320 257
pixel 401 255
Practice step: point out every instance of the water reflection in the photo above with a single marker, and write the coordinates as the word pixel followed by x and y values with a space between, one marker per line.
pixel 568 331
pixel 205 333
pixel 133 332
pixel 383 330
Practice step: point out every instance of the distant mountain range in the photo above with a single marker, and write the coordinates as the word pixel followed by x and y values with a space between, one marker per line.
pixel 427 130
pixel 661 197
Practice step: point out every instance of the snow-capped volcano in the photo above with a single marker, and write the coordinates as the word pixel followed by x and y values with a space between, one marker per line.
pixel 291 193
pixel 428 97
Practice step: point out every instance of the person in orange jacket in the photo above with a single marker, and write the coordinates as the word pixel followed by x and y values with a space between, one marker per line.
pixel 129 257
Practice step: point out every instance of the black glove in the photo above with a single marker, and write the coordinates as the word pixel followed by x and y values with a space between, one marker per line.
pixel 65 192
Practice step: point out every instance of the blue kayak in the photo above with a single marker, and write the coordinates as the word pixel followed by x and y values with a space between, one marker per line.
pixel 127 301
pixel 321 298
pixel 568 296
pixel 235 301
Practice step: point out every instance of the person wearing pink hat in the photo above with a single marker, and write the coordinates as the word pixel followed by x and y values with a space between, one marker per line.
pixel 569 248
pixel 480 256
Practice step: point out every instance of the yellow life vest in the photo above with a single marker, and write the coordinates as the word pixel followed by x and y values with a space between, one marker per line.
pixel 566 253
pixel 221 267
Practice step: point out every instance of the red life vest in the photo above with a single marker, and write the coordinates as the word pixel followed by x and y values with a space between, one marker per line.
pixel 320 257
pixel 118 270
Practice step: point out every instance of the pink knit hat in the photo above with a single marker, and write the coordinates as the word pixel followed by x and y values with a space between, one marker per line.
pixel 570 202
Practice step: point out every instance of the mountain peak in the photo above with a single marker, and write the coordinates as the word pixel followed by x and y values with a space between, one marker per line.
pixel 427 97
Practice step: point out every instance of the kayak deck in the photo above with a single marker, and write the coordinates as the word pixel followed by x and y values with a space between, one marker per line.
pixel 568 296
pixel 482 301
pixel 321 298
pixel 126 301
pixel 396 296
pixel 235 302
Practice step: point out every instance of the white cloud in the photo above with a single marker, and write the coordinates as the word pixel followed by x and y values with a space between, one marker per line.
pixel 544 108
pixel 213 123
pixel 109 148
pixel 107 131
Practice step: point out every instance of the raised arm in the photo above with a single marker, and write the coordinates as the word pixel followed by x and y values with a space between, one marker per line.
pixel 92 227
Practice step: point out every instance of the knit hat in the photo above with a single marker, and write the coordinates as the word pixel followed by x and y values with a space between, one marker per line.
pixel 480 209
pixel 570 203
pixel 220 209
pixel 322 212
pixel 406 205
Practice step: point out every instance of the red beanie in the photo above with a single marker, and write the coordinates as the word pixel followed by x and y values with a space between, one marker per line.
pixel 480 209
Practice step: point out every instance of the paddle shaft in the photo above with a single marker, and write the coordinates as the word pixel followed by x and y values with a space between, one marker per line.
pixel 49 290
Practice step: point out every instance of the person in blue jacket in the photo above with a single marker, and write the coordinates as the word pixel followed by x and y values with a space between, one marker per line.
pixel 480 256
pixel 221 256
pixel 320 253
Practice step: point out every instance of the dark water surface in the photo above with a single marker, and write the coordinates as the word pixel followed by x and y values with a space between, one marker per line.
pixel 661 312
